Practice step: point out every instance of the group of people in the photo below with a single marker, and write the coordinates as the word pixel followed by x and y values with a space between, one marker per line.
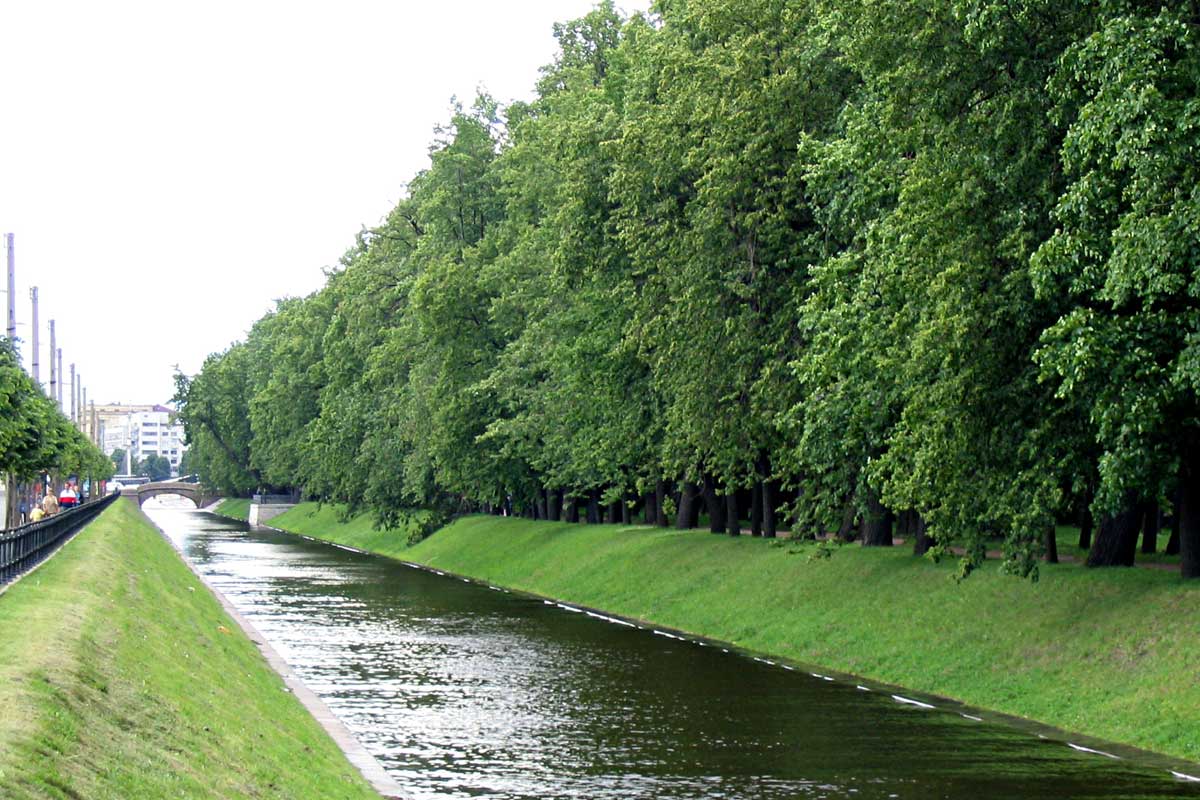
pixel 51 504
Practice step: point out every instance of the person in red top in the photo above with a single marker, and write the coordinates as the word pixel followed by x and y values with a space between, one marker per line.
pixel 67 498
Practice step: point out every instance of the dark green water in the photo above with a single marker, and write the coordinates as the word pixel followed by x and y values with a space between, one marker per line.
pixel 465 691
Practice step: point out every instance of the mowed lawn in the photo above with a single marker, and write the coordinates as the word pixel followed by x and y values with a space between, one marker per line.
pixel 1112 653
pixel 235 508
pixel 122 677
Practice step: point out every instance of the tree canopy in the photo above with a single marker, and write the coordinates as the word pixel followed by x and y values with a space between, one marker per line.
pixel 35 436
pixel 868 268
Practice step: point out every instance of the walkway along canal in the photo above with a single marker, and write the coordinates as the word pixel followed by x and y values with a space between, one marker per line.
pixel 465 691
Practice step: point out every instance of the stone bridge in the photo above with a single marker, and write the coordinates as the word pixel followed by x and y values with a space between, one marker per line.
pixel 195 492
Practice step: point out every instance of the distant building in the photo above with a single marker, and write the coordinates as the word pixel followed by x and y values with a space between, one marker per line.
pixel 142 431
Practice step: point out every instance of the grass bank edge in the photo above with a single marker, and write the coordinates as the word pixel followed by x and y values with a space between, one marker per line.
pixel 234 508
pixel 131 681
pixel 1101 652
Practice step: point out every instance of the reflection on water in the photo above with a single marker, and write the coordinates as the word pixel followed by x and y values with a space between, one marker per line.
pixel 464 691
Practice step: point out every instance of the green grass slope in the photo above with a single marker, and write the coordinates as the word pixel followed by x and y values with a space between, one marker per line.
pixel 1109 653
pixel 234 508
pixel 121 677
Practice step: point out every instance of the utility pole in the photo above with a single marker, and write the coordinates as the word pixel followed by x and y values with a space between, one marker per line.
pixel 84 417
pixel 37 375
pixel 10 482
pixel 53 371
pixel 12 290
pixel 74 405
pixel 61 407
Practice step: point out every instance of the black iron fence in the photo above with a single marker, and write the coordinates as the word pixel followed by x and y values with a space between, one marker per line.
pixel 275 499
pixel 23 548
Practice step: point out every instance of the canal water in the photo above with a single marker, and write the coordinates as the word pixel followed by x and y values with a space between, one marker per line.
pixel 465 691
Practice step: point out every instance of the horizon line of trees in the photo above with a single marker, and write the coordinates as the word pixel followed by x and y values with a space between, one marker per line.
pixel 915 265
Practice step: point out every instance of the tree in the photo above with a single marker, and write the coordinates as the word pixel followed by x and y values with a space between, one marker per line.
pixel 118 459
pixel 1127 351
pixel 155 467
pixel 214 409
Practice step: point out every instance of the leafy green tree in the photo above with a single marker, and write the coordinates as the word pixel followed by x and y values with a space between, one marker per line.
pixel 185 463
pixel 155 467
pixel 35 437
pixel 576 404
pixel 214 409
pixel 1127 352
pixel 721 236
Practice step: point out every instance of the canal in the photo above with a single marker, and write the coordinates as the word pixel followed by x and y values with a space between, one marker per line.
pixel 465 691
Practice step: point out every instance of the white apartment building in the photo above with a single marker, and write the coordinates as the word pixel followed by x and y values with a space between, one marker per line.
pixel 143 432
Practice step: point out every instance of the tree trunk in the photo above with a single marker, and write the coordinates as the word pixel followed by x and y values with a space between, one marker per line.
pixel 554 503
pixel 919 533
pixel 1189 515
pixel 614 512
pixel 572 509
pixel 593 507
pixel 877 524
pixel 1173 523
pixel 846 530
pixel 1150 524
pixel 1116 541
pixel 769 521
pixel 756 507
pixel 693 520
pixel 660 505
pixel 11 504
pixel 716 507
pixel 1050 539
pixel 649 515
pixel 688 507
pixel 1085 527
pixel 765 517
pixel 733 525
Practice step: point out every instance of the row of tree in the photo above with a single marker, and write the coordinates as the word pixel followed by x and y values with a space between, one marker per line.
pixel 36 439
pixel 921 263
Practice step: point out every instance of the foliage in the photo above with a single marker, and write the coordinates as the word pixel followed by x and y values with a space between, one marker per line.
pixel 155 467
pixel 35 437
pixel 854 259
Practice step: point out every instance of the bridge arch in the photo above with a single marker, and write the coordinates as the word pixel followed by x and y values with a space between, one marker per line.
pixel 195 492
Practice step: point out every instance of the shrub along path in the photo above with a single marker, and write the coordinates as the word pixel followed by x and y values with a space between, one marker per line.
pixel 121 677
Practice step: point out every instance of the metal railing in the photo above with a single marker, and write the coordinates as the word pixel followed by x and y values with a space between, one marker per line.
pixel 23 548
pixel 275 499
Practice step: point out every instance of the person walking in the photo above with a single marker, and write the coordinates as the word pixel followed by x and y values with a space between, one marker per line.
pixel 50 503
pixel 67 497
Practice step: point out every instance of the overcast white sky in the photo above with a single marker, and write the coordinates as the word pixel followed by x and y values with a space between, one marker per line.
pixel 169 168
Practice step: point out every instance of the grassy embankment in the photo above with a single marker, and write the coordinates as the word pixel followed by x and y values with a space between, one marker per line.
pixel 122 677
pixel 234 508
pixel 1109 653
